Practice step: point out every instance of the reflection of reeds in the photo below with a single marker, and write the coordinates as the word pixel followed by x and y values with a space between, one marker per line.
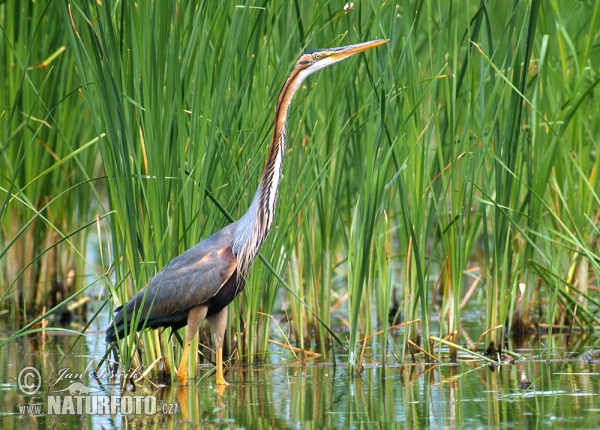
pixel 436 175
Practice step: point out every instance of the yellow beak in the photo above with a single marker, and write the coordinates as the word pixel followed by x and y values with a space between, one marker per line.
pixel 347 51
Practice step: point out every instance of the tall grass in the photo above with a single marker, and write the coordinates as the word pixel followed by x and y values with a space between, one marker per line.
pixel 455 166
pixel 49 169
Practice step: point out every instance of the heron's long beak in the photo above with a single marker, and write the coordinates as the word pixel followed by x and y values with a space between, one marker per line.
pixel 347 51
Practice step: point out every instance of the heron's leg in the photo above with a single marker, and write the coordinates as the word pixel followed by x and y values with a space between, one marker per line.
pixel 195 317
pixel 218 324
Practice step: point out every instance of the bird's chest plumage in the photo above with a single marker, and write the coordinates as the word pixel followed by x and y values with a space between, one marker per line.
pixel 234 285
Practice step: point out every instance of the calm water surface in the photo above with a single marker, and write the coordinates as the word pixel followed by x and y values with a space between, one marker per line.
pixel 563 392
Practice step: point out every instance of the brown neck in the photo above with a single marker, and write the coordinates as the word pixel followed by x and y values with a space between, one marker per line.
pixel 256 223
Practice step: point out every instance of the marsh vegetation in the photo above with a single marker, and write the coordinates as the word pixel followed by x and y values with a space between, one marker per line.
pixel 452 172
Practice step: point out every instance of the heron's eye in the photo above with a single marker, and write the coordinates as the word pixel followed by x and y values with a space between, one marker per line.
pixel 318 56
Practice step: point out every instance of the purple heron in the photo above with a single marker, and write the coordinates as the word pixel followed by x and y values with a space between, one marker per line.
pixel 201 282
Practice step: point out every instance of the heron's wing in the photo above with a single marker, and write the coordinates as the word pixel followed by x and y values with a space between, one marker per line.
pixel 189 280
pixel 188 285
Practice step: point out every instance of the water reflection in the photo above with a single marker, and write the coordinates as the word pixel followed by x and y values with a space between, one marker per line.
pixel 418 395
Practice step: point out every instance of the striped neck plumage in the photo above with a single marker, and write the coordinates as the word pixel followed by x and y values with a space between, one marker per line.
pixel 252 229
pixel 255 224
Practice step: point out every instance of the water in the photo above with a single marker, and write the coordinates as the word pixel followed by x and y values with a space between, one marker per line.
pixel 563 392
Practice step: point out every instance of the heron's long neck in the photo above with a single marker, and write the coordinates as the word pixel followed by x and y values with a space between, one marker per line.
pixel 255 224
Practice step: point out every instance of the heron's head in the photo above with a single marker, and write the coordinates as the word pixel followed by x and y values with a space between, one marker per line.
pixel 311 61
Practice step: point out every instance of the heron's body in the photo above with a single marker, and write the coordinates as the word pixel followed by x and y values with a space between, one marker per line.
pixel 203 275
pixel 202 281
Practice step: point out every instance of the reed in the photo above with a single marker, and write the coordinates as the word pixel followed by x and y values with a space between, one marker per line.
pixel 455 167
pixel 50 171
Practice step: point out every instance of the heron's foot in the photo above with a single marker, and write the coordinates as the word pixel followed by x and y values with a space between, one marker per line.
pixel 220 379
pixel 182 375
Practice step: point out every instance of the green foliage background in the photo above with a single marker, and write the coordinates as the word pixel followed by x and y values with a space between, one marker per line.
pixel 457 163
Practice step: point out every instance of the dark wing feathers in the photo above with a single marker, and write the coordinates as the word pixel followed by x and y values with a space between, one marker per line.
pixel 189 280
